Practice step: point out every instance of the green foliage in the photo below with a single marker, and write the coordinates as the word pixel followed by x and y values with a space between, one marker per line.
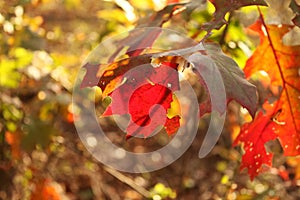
pixel 11 65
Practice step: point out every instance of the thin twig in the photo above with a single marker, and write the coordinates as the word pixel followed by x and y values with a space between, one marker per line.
pixel 121 177
pixel 224 33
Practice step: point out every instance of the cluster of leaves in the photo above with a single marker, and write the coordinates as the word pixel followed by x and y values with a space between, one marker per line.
pixel 108 77
pixel 279 115
pixel 43 41
pixel 281 118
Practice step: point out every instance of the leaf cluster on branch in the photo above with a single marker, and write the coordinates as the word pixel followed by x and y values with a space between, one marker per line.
pixel 278 117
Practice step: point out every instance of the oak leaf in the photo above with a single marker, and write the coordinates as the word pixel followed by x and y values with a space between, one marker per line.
pixel 254 136
pixel 108 76
pixel 208 59
pixel 236 87
pixel 146 95
pixel 281 63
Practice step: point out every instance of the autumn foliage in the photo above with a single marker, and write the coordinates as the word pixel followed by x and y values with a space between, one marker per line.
pixel 239 58
pixel 144 95
pixel 277 118
pixel 281 118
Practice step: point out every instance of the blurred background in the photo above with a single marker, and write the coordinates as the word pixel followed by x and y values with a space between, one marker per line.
pixel 43 44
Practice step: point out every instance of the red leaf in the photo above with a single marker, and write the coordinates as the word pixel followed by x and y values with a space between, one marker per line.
pixel 254 136
pixel 282 65
pixel 107 77
pixel 172 125
pixel 149 87
pixel 135 44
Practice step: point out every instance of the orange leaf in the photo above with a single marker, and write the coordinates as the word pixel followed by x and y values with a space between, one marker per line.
pixel 107 77
pixel 172 1
pixel 282 65
pixel 44 191
pixel 14 140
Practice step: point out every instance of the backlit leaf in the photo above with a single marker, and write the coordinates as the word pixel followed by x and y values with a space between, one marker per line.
pixel 282 65
pixel 149 87
pixel 254 136
pixel 209 61
pixel 107 77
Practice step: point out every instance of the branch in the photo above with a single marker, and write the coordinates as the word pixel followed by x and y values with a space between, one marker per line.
pixel 128 181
